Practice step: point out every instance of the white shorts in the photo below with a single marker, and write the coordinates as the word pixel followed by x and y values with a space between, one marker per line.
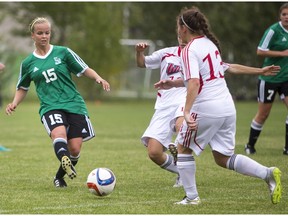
pixel 162 125
pixel 219 133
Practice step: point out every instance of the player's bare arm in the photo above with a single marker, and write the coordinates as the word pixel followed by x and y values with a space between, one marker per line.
pixel 140 57
pixel 19 96
pixel 272 53
pixel 92 74
pixel 271 70
pixel 168 84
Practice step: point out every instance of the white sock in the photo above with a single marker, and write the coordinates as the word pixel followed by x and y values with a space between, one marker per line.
pixel 247 166
pixel 169 164
pixel 187 170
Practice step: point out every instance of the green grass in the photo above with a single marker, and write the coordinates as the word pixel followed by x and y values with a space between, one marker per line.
pixel 142 188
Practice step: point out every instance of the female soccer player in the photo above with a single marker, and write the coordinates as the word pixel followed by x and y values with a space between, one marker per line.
pixel 62 109
pixel 209 113
pixel 157 137
pixel 274 47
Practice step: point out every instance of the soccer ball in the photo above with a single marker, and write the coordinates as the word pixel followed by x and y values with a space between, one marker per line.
pixel 101 181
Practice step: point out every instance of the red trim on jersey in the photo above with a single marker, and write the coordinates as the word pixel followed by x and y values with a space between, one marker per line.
pixel 179 51
pixel 167 55
pixel 185 56
pixel 158 94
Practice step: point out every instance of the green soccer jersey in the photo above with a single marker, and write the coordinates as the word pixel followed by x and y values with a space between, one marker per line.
pixel 51 75
pixel 275 38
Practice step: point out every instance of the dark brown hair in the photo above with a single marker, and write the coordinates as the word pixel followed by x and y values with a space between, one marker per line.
pixel 197 23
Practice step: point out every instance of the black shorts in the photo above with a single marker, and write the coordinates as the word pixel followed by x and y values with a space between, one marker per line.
pixel 76 125
pixel 267 91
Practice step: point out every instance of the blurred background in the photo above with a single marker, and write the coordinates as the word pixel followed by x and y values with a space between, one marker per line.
pixel 104 34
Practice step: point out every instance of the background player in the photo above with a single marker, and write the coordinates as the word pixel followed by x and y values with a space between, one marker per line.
pixel 274 47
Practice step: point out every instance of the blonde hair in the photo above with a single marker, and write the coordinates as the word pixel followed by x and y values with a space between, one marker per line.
pixel 37 20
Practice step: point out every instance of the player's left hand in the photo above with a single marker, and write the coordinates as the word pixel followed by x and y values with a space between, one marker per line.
pixel 163 84
pixel 271 70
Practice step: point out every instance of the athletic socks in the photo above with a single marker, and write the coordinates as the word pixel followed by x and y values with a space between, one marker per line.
pixel 60 148
pixel 169 164
pixel 74 159
pixel 187 170
pixel 255 131
pixel 246 166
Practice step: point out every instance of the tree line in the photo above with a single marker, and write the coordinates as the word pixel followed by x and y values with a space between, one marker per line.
pixel 93 30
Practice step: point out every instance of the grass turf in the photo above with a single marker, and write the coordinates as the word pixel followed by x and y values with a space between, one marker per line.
pixel 27 170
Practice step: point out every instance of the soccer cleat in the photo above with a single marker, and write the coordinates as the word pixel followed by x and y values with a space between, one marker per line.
pixel 59 182
pixel 274 184
pixel 285 151
pixel 187 201
pixel 178 182
pixel 68 167
pixel 250 149
pixel 173 150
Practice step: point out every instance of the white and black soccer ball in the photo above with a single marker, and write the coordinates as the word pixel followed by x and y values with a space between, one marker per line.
pixel 101 181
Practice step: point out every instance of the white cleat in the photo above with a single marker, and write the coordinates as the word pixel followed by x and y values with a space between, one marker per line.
pixel 187 201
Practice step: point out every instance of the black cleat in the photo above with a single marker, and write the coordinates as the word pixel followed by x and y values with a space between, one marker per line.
pixel 59 182
pixel 285 151
pixel 250 149
pixel 68 167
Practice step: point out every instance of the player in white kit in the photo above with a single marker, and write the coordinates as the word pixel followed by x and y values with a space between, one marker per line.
pixel 210 115
pixel 168 106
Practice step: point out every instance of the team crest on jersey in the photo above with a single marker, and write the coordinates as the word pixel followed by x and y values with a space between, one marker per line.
pixel 57 60
pixel 35 69
pixel 284 39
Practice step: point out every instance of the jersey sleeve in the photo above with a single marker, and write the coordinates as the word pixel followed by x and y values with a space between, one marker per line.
pixel 24 79
pixel 75 64
pixel 153 61
pixel 265 41
pixel 225 66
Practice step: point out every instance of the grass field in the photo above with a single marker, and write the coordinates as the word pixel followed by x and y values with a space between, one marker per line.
pixel 28 169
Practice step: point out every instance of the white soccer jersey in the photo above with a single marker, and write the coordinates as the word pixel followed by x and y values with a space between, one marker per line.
pixel 169 62
pixel 201 59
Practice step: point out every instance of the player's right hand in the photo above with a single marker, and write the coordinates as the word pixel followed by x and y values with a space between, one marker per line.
pixel 10 108
pixel 140 47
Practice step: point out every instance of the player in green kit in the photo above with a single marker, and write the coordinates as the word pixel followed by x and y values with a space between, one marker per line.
pixel 62 110
pixel 274 47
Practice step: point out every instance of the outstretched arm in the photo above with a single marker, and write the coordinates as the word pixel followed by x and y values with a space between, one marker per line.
pixel 92 74
pixel 242 69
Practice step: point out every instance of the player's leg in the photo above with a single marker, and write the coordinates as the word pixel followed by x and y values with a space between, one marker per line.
pixel 285 150
pixel 223 144
pixel 80 129
pixel 187 170
pixel 266 95
pixel 257 125
pixel 55 123
pixel 284 96
pixel 158 136
pixel 157 155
